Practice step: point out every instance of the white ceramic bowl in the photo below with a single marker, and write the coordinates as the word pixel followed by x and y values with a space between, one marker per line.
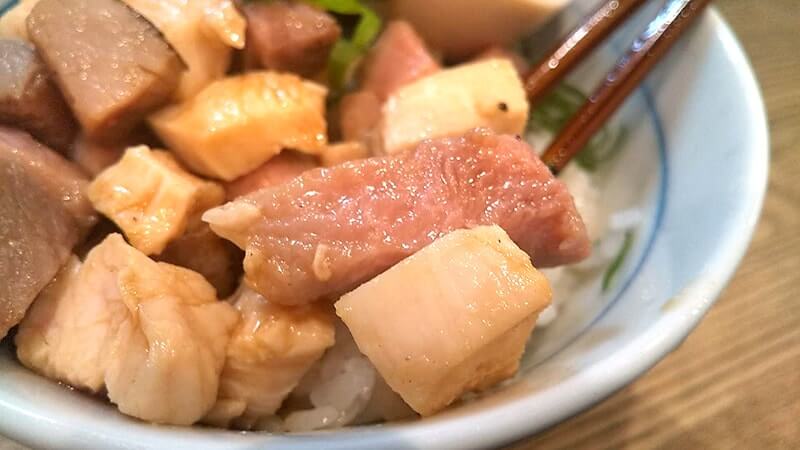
pixel 696 163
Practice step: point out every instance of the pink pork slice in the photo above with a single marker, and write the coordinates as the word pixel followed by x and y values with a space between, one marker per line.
pixel 331 229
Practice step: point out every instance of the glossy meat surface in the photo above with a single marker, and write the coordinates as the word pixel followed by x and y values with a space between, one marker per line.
pixel 289 36
pixel 331 229
pixel 44 213
pixel 112 65
pixel 28 98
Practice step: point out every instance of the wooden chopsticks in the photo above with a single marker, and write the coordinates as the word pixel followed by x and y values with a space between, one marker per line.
pixel 645 52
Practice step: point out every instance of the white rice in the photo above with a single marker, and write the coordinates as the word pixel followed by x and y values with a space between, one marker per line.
pixel 343 388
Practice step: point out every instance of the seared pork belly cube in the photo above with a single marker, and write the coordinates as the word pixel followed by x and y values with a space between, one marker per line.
pixel 44 214
pixel 399 57
pixel 341 152
pixel 151 334
pixel 111 64
pixel 280 169
pixel 202 251
pixel 29 100
pixel 454 317
pixel 203 32
pixel 454 101
pixel 152 198
pixel 329 230
pixel 271 349
pixel 289 36
pixel 236 124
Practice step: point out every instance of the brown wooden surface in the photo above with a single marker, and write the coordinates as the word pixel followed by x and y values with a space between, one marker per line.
pixel 735 382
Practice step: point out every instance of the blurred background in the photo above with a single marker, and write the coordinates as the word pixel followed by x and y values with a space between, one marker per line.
pixel 735 381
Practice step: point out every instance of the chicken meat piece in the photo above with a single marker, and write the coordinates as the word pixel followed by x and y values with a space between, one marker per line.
pixel 455 316
pixel 238 123
pixel 331 229
pixel 151 334
pixel 289 36
pixel 280 169
pixel 452 102
pixel 271 349
pixel 151 198
pixel 67 332
pixel 202 251
pixel 398 58
pixel 111 64
pixel 341 152
pixel 203 32
pixel 28 98
pixel 44 214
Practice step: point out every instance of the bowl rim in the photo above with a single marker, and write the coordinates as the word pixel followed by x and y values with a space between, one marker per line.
pixel 509 422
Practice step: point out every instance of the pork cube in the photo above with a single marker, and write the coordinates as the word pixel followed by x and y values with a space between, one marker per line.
pixel 331 229
pixel 202 251
pixel 271 349
pixel 203 32
pixel 44 214
pixel 280 169
pixel 29 100
pixel 152 334
pixel 455 316
pixel 236 124
pixel 399 57
pixel 151 198
pixel 289 36
pixel 454 101
pixel 112 65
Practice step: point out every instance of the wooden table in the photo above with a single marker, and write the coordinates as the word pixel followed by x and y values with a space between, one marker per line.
pixel 735 382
